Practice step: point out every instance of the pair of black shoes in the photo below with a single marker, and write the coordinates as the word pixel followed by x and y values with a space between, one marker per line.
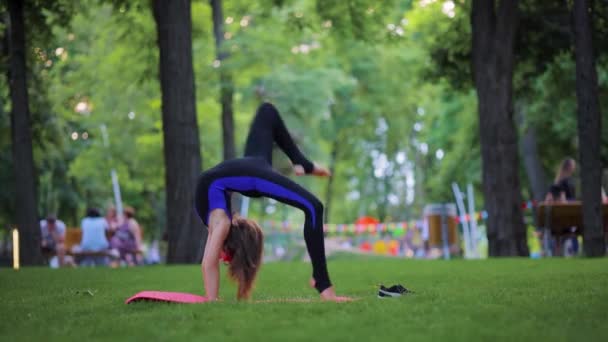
pixel 393 291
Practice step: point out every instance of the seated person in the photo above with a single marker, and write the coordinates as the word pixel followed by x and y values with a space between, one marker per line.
pixel 127 238
pixel 562 191
pixel 52 233
pixel 94 238
pixel 112 219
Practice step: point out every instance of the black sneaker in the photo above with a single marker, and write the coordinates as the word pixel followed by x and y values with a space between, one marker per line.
pixel 393 291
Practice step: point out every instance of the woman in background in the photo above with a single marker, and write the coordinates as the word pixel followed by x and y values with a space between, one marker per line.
pixel 127 239
pixel 564 190
pixel 94 238
pixel 112 218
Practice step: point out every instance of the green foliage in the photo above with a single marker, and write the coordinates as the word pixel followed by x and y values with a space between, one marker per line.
pixel 385 86
pixel 356 19
pixel 544 83
pixel 446 39
pixel 350 81
pixel 554 109
pixel 40 18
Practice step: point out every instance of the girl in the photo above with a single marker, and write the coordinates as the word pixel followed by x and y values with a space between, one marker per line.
pixel 240 241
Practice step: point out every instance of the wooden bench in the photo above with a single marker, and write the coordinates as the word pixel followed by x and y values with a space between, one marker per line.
pixel 559 219
pixel 73 237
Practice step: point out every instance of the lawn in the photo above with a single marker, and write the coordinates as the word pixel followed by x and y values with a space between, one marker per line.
pixel 532 300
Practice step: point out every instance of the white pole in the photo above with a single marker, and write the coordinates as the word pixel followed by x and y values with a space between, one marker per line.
pixel 471 200
pixel 116 188
pixel 15 249
pixel 444 232
pixel 244 206
pixel 115 184
pixel 463 221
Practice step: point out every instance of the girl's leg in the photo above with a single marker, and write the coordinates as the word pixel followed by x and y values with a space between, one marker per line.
pixel 267 128
pixel 274 185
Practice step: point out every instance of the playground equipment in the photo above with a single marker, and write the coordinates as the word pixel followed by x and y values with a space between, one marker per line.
pixel 441 220
pixel 469 226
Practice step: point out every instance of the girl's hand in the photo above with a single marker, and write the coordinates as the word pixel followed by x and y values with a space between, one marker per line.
pixel 299 170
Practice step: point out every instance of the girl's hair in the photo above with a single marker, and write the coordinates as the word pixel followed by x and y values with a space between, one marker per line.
pixel 129 212
pixel 93 212
pixel 245 244
pixel 565 169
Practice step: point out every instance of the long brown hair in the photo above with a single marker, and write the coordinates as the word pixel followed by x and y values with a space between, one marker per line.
pixel 565 169
pixel 245 244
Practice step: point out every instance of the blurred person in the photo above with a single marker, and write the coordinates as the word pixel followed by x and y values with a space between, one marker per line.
pixel 52 233
pixel 112 218
pixel 239 241
pixel 563 190
pixel 94 238
pixel 153 253
pixel 127 238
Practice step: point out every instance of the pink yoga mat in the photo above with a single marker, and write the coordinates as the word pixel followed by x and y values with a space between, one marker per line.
pixel 168 297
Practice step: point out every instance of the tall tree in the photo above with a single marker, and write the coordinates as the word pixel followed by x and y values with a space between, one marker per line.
pixel 226 84
pixel 589 130
pixel 329 190
pixel 494 26
pixel 23 158
pixel 180 129
pixel 531 158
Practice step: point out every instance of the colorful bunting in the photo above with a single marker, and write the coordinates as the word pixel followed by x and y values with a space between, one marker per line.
pixel 396 229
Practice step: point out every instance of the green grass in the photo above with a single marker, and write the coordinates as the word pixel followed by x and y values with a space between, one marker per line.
pixel 556 300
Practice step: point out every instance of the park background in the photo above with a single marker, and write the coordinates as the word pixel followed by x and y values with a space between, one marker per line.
pixel 383 94
pixel 399 98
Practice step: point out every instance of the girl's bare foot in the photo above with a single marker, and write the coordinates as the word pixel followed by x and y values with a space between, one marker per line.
pixel 330 295
pixel 318 170
pixel 299 170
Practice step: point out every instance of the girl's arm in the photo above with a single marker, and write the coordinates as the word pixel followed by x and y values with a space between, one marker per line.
pixel 219 227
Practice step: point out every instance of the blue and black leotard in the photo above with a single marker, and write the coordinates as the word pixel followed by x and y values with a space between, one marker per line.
pixel 253 176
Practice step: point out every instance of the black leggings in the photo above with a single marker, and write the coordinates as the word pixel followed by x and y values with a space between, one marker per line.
pixel 253 176
pixel 267 128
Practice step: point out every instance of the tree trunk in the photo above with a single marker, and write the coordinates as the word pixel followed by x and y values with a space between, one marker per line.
pixel 227 90
pixel 589 131
pixel 23 158
pixel 493 58
pixel 226 84
pixel 529 151
pixel 330 182
pixel 180 129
